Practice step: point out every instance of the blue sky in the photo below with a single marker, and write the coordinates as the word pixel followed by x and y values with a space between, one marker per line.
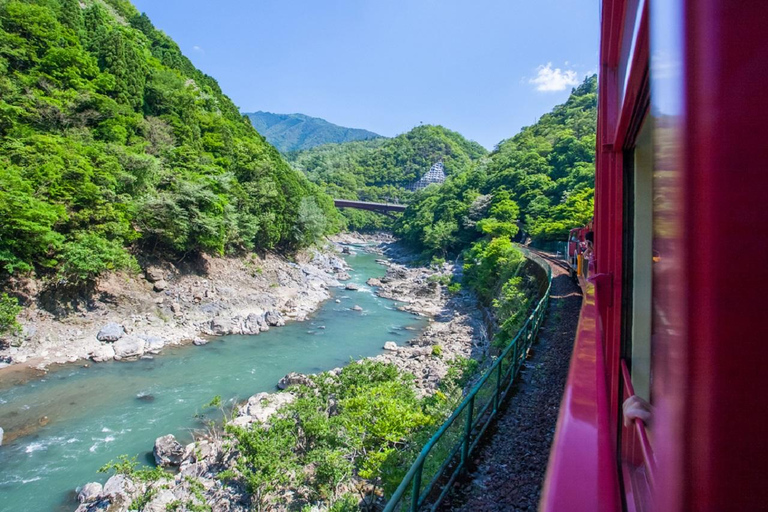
pixel 484 68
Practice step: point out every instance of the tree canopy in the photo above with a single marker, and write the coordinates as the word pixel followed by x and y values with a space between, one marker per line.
pixel 542 180
pixel 112 141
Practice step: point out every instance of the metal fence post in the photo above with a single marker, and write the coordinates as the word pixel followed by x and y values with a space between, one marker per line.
pixel 467 430
pixel 416 488
pixel 499 375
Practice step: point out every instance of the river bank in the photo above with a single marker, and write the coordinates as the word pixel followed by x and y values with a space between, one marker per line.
pixel 127 317
pixel 455 329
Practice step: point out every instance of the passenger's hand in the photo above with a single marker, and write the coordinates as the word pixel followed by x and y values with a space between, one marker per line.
pixel 635 408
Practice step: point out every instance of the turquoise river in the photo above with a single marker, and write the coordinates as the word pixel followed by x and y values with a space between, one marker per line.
pixel 109 409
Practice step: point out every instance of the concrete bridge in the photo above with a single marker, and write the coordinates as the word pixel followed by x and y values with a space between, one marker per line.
pixel 384 208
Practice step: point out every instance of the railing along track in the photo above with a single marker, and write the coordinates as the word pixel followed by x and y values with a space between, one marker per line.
pixel 447 452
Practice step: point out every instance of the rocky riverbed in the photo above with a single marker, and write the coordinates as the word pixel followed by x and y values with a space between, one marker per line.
pixel 126 317
pixel 456 328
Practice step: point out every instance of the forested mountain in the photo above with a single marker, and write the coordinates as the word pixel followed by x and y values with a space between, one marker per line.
pixel 111 141
pixel 297 132
pixel 379 169
pixel 543 177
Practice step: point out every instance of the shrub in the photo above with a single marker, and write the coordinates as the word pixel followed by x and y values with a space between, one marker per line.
pixel 9 310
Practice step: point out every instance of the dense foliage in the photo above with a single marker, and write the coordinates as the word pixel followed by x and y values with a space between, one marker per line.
pixel 380 169
pixel 111 141
pixel 357 430
pixel 297 132
pixel 544 175
pixel 9 310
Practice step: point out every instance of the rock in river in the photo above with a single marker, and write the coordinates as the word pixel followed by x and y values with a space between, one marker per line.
pixel 110 332
pixel 153 344
pixel 274 318
pixel 128 347
pixel 390 345
pixel 103 353
pixel 168 451
pixel 356 308
pixel 293 379
pixel 89 492
pixel 352 286
pixel 221 326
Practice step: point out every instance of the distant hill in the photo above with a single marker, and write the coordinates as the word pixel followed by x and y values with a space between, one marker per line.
pixel 297 132
pixel 380 169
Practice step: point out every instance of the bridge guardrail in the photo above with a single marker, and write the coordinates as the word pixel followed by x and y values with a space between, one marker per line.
pixel 449 449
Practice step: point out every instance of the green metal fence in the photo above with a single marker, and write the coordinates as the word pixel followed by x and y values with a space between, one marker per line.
pixel 448 450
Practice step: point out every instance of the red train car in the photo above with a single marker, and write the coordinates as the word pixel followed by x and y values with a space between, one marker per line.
pixel 674 302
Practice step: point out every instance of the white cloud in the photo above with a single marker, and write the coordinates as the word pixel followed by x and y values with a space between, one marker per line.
pixel 198 49
pixel 548 79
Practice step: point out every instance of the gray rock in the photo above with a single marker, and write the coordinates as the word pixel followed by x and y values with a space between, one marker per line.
pixel 160 502
pixel 168 451
pixel 374 282
pixel 153 344
pixel 119 489
pixel 262 406
pixel 199 342
pixel 103 353
pixel 352 286
pixel 110 332
pixel 356 308
pixel 1 436
pixel 343 276
pixel 221 326
pixel 89 492
pixel 274 318
pixel 254 323
pixel 390 345
pixel 346 250
pixel 160 285
pixel 128 347
pixel 153 274
pixel 294 379
pixel 176 308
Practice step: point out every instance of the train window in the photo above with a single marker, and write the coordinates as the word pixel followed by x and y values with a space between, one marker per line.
pixel 638 348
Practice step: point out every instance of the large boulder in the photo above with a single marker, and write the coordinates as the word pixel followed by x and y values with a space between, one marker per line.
pixel 254 324
pixel 110 332
pixel 154 274
pixel 352 286
pixel 160 502
pixel 160 285
pixel 262 406
pixel 294 379
pixel 153 344
pixel 89 492
pixel 128 347
pixel 390 345
pixel 103 354
pixel 221 326
pixel 168 451
pixel 274 318
pixel 119 489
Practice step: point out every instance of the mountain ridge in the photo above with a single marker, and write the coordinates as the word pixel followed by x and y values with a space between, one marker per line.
pixel 298 132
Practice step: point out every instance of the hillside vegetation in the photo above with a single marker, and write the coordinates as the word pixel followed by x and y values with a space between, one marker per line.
pixel 378 170
pixel 297 132
pixel 111 142
pixel 542 179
